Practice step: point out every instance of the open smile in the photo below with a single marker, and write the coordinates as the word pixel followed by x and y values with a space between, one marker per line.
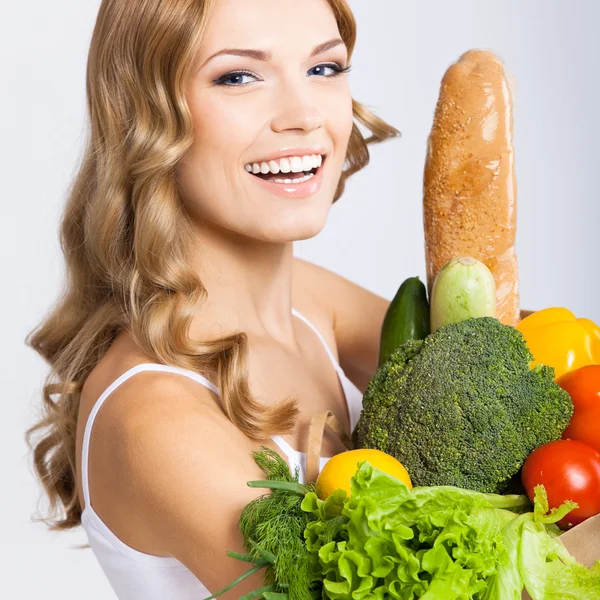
pixel 290 176
pixel 288 169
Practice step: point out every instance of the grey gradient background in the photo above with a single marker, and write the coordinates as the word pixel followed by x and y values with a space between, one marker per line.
pixel 374 235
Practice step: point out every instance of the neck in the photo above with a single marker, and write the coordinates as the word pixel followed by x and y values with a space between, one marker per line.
pixel 249 285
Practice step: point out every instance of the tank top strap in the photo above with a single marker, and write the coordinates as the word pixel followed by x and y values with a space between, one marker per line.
pixel 285 448
pixel 296 459
pixel 317 332
pixel 111 388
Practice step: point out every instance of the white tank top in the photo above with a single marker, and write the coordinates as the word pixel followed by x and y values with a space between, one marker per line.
pixel 135 575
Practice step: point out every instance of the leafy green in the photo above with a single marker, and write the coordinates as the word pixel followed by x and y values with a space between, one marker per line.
pixel 273 526
pixel 397 543
pixel 387 541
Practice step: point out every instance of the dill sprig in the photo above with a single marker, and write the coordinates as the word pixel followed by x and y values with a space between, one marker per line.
pixel 273 528
pixel 276 523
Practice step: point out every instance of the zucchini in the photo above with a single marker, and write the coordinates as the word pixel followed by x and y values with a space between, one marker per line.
pixel 463 289
pixel 407 318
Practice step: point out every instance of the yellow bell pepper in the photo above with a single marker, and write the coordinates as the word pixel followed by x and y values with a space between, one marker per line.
pixel 558 339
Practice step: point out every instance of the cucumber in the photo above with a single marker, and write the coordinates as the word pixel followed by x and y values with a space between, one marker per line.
pixel 407 318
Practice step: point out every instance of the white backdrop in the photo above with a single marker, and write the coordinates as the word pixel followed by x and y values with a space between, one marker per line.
pixel 374 235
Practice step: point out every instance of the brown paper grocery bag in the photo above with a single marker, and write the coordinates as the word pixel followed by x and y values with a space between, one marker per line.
pixel 583 542
pixel 315 441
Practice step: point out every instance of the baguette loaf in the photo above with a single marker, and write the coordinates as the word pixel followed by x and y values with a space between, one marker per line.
pixel 469 205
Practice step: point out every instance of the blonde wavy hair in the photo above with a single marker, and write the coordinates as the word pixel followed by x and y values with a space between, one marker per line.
pixel 125 236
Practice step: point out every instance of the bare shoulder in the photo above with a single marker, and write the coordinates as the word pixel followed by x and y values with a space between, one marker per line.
pixel 356 314
pixel 178 473
pixel 337 294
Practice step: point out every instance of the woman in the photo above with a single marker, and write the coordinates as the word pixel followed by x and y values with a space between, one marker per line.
pixel 220 131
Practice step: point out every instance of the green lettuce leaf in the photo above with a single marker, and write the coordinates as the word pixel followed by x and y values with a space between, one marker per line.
pixel 439 543
pixel 386 540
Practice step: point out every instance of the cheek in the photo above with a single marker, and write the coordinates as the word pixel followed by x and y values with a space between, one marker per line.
pixel 212 164
pixel 341 120
pixel 347 125
pixel 220 133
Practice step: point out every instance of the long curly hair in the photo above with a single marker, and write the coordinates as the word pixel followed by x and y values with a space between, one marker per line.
pixel 125 236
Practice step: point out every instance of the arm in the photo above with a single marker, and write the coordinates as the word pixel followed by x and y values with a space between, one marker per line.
pixel 181 468
pixel 357 316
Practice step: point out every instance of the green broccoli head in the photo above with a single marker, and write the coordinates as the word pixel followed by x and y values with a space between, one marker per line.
pixel 462 407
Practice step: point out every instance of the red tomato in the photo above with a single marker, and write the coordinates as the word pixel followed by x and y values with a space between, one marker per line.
pixel 569 470
pixel 583 386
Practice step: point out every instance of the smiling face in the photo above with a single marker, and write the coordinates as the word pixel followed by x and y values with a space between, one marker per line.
pixel 272 115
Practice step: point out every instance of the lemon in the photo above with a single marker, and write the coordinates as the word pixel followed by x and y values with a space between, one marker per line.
pixel 339 469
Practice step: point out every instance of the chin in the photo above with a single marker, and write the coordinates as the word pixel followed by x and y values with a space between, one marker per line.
pixel 302 223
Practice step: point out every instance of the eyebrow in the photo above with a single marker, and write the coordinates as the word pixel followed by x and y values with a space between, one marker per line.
pixel 265 56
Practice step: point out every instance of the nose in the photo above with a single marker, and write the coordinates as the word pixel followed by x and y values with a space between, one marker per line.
pixel 296 110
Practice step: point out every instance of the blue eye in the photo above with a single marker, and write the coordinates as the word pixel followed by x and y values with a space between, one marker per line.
pixel 235 79
pixel 328 70
pixel 243 78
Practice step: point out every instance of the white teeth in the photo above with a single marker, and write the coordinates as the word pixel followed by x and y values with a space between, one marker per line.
pixel 292 164
pixel 296 163
pixel 299 180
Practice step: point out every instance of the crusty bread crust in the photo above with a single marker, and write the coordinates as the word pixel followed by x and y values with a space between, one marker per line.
pixel 469 180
